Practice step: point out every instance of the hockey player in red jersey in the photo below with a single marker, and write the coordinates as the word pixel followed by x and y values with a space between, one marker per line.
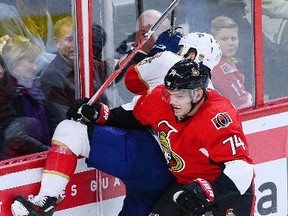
pixel 119 117
pixel 201 137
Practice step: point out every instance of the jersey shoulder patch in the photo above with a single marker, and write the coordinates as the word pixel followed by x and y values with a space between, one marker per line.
pixel 221 120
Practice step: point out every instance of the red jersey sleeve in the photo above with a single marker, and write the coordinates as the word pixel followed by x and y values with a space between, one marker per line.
pixel 133 81
pixel 222 133
pixel 150 109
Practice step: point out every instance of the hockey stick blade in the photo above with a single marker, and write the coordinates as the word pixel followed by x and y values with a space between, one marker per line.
pixel 128 58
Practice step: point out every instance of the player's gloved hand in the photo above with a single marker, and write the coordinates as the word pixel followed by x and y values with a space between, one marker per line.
pixel 72 113
pixel 167 41
pixel 197 196
pixel 96 113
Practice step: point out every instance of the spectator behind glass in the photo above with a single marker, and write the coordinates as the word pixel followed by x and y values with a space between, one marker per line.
pixel 23 117
pixel 32 19
pixel 57 80
pixel 226 77
pixel 144 22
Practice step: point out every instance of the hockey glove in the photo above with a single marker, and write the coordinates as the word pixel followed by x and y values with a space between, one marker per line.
pixel 96 113
pixel 197 196
pixel 167 41
pixel 72 113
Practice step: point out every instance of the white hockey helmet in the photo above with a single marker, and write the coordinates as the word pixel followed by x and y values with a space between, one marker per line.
pixel 208 49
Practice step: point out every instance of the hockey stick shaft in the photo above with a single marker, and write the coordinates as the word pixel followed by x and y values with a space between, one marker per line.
pixel 173 21
pixel 128 58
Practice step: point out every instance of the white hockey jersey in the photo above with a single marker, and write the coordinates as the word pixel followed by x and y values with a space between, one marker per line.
pixel 142 78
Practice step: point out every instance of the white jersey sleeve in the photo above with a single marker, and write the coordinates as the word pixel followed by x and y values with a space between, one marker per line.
pixel 150 72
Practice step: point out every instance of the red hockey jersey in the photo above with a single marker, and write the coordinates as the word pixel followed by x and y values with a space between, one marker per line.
pixel 229 81
pixel 200 145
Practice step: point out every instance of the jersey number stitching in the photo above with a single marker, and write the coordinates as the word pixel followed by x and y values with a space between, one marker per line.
pixel 235 142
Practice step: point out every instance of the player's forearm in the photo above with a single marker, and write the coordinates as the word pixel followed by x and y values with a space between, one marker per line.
pixel 235 181
pixel 122 118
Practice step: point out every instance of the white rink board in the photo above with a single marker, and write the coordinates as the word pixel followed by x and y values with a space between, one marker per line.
pixel 110 207
pixel 271 184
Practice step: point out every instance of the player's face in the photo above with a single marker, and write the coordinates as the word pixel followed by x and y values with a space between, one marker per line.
pixel 228 41
pixel 180 101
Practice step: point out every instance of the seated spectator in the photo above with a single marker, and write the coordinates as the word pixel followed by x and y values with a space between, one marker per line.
pixel 144 22
pixel 226 77
pixel 23 118
pixel 31 19
pixel 57 80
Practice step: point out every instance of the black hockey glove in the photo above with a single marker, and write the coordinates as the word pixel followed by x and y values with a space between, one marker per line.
pixel 167 41
pixel 197 197
pixel 72 113
pixel 80 111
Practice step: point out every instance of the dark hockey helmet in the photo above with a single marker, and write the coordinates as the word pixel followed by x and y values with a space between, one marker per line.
pixel 187 74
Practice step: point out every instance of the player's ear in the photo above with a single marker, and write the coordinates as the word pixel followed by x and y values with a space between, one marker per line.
pixel 198 95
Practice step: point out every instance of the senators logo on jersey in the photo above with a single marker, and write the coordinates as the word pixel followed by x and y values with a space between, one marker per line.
pixel 221 120
pixel 174 161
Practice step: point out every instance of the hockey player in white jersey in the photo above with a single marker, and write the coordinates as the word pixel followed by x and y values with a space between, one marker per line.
pixel 141 78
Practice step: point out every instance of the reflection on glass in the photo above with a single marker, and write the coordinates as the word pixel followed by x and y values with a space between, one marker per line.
pixel 275 45
pixel 275 31
pixel 57 79
pixel 24 121
pixel 117 26
pixel 29 24
pixel 124 21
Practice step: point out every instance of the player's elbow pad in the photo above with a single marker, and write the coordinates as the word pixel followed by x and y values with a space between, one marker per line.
pixel 133 81
pixel 241 173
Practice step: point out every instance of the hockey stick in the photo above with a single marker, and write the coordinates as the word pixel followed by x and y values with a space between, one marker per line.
pixel 128 58
pixel 173 20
